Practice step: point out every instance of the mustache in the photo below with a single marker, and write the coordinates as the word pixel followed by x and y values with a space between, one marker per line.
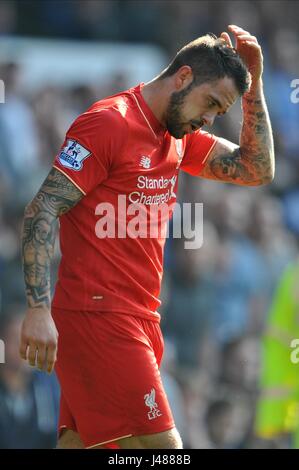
pixel 197 124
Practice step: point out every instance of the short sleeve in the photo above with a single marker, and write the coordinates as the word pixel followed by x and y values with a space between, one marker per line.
pixel 91 146
pixel 198 148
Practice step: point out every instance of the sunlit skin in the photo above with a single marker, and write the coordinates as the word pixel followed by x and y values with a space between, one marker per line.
pixel 200 106
pixel 182 107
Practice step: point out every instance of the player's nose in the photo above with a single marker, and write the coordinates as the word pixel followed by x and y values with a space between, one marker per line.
pixel 209 119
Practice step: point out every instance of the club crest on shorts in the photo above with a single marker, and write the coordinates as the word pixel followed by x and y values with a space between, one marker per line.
pixel 149 399
pixel 179 151
pixel 172 182
pixel 72 155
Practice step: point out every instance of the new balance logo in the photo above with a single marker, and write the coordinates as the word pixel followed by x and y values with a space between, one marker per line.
pixel 145 162
pixel 149 399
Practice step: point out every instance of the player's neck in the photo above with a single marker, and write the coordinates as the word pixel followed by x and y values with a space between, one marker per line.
pixel 156 96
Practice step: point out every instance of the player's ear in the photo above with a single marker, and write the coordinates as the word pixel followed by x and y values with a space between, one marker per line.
pixel 183 77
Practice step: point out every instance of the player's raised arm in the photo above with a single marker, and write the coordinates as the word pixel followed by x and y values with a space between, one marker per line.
pixel 56 196
pixel 252 162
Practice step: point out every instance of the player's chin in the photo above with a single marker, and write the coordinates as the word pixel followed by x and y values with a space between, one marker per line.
pixel 177 133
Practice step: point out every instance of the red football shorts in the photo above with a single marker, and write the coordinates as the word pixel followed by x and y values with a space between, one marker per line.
pixel 108 369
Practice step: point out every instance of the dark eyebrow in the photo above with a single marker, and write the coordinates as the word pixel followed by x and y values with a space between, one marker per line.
pixel 216 101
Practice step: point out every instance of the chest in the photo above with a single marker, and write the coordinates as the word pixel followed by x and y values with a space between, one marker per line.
pixel 147 167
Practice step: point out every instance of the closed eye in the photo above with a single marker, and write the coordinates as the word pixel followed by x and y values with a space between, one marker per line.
pixel 212 104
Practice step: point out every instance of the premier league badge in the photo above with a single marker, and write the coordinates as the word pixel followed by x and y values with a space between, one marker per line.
pixel 72 155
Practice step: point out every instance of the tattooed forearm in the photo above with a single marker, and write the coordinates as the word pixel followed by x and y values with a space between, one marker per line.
pixel 252 162
pixel 56 196
pixel 231 168
pixel 256 140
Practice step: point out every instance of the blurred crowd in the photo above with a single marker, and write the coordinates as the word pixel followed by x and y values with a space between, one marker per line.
pixel 215 299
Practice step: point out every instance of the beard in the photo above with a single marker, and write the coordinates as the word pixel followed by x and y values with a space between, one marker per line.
pixel 174 119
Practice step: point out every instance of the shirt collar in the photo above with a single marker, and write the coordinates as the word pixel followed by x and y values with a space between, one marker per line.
pixel 155 124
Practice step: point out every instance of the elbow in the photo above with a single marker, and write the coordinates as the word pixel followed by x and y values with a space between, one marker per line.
pixel 268 176
pixel 266 179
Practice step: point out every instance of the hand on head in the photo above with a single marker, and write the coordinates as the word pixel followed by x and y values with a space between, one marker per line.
pixel 248 48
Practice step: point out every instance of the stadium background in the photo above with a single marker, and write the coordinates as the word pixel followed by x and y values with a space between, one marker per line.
pixel 56 58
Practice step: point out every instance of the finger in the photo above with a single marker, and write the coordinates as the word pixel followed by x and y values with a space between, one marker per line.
pixel 51 357
pixel 242 34
pixel 237 29
pixel 247 37
pixel 32 355
pixel 254 45
pixel 23 349
pixel 41 356
pixel 226 38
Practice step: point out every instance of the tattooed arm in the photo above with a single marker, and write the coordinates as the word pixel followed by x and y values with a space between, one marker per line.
pixel 252 162
pixel 56 196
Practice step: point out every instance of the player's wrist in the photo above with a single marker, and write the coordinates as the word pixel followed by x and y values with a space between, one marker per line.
pixel 32 311
pixel 255 90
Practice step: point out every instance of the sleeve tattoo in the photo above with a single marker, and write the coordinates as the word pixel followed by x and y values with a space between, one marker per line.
pixel 251 163
pixel 56 196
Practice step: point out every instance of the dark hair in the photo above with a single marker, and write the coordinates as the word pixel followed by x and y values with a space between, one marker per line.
pixel 210 58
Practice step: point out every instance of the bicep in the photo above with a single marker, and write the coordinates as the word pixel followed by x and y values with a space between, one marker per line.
pixel 57 195
pixel 226 164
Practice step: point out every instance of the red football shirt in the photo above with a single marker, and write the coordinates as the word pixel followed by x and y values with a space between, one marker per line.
pixel 119 148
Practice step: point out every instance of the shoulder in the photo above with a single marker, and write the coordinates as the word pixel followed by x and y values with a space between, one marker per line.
pixel 109 118
pixel 100 127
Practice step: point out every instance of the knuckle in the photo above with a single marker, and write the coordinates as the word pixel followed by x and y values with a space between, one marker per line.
pixel 24 338
pixel 52 343
pixel 32 339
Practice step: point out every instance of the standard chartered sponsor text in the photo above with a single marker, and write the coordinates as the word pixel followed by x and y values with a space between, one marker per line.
pixel 144 182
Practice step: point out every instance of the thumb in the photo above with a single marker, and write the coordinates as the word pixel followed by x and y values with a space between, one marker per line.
pixel 226 38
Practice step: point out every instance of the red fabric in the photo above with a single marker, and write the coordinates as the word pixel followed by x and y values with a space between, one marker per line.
pixel 198 144
pixel 107 365
pixel 119 274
